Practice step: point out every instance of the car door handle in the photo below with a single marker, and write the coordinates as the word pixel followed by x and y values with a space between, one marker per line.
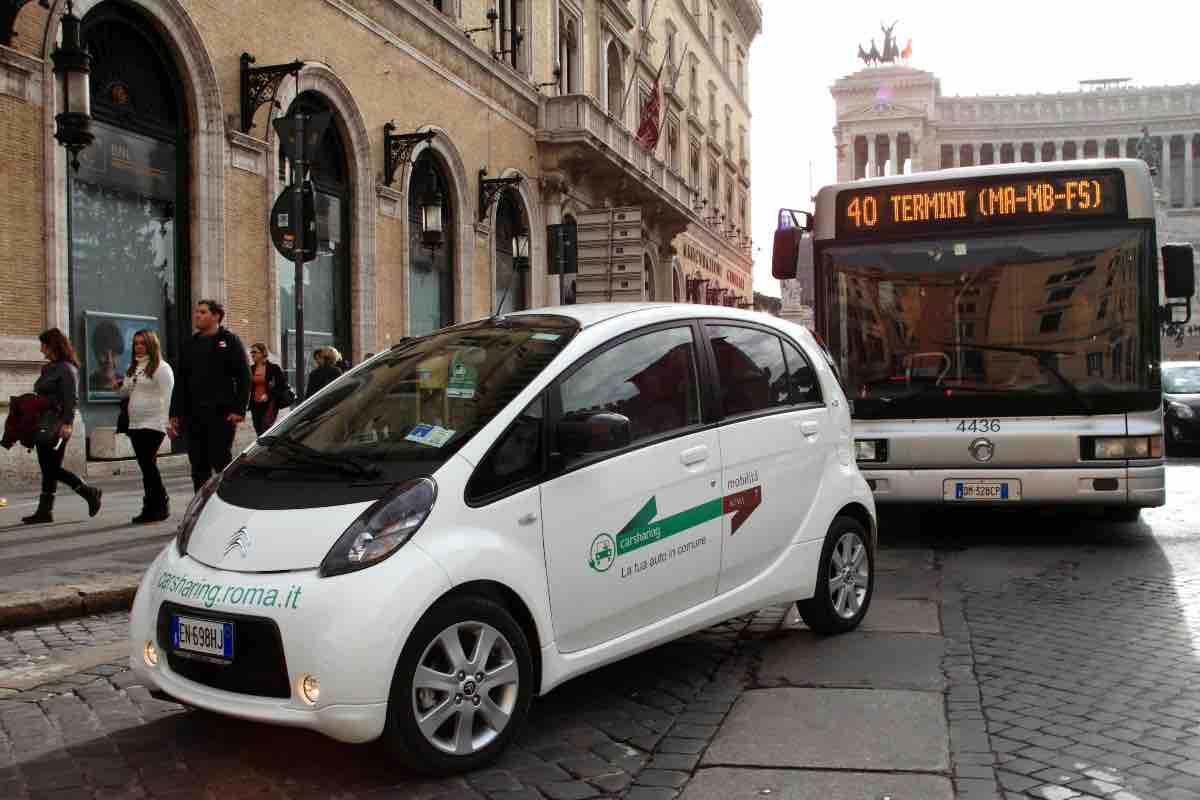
pixel 528 519
pixel 694 455
pixel 809 428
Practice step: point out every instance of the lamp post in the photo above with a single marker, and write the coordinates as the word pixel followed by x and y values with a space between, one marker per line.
pixel 73 122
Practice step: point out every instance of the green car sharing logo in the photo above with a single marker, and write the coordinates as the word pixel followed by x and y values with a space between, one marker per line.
pixel 644 530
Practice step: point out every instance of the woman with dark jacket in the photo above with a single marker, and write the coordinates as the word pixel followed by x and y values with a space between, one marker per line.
pixel 268 389
pixel 327 370
pixel 59 382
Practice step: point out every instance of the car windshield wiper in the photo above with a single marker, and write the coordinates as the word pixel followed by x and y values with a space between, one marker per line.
pixel 344 464
pixel 1045 360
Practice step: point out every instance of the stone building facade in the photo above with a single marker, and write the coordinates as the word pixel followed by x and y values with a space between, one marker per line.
pixel 894 119
pixel 172 202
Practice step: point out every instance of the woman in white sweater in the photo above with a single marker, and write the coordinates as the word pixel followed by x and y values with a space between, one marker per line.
pixel 147 385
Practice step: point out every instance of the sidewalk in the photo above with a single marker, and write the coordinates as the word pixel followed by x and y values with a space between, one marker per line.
pixel 76 564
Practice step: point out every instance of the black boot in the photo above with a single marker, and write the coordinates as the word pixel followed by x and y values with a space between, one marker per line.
pixel 43 513
pixel 161 510
pixel 92 495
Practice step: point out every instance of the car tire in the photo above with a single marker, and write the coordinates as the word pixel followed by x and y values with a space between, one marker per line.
pixel 846 554
pixel 1122 513
pixel 449 724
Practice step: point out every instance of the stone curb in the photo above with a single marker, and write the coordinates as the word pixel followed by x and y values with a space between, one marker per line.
pixel 25 609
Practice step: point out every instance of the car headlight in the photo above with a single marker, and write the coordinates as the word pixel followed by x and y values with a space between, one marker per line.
pixel 381 529
pixel 193 512
pixel 1120 447
pixel 1180 411
pixel 870 450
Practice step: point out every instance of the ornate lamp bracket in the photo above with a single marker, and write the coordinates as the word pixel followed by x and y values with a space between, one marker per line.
pixel 260 84
pixel 397 149
pixel 490 189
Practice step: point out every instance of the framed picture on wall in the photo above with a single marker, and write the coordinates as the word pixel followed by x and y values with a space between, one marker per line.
pixel 108 350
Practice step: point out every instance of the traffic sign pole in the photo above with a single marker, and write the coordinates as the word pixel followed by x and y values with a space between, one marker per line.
pixel 301 242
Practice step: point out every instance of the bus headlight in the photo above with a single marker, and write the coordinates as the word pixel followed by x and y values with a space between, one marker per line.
pixel 1180 411
pixel 870 450
pixel 1109 448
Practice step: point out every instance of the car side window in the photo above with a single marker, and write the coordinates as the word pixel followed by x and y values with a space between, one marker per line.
pixel 515 460
pixel 803 386
pixel 751 369
pixel 651 379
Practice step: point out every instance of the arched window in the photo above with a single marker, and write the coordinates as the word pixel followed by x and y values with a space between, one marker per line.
pixel 327 277
pixel 648 269
pixel 127 207
pixel 430 260
pixel 616 81
pixel 512 279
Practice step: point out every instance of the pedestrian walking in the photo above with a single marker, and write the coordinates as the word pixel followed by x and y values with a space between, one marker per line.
pixel 148 386
pixel 211 392
pixel 269 389
pixel 327 370
pixel 59 384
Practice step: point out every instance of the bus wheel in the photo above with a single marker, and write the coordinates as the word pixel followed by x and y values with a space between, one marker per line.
pixel 1122 513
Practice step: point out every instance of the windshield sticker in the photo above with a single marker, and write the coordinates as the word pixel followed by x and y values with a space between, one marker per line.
pixel 463 379
pixel 644 530
pixel 545 337
pixel 432 435
pixel 208 593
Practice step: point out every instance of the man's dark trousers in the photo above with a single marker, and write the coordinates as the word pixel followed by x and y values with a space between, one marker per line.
pixel 210 443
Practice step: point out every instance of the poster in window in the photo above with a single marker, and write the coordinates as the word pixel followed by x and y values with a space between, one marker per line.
pixel 108 349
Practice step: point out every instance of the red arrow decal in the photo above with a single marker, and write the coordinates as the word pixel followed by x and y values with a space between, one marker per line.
pixel 741 505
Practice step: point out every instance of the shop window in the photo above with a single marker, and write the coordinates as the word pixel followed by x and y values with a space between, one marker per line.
pixel 431 284
pixel 511 285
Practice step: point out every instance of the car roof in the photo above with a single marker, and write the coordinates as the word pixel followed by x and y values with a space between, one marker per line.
pixel 591 314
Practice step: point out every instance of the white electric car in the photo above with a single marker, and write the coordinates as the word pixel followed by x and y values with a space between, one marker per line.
pixel 475 516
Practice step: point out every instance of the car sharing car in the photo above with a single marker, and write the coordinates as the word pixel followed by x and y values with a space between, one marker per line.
pixel 1181 402
pixel 475 516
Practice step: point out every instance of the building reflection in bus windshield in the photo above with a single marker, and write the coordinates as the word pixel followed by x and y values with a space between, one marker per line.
pixel 953 324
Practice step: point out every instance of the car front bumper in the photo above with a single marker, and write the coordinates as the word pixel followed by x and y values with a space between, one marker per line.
pixel 346 631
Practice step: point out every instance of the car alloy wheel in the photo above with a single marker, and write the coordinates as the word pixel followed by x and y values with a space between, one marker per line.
pixel 849 575
pixel 845 579
pixel 465 688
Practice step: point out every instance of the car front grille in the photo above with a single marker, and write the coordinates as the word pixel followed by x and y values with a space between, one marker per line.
pixel 258 666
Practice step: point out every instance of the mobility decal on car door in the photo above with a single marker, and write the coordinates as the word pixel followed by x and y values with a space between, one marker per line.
pixel 644 530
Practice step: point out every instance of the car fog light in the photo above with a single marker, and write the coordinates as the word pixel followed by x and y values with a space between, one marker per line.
pixel 150 654
pixel 310 689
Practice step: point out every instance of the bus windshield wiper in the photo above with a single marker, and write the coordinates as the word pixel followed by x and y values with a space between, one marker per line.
pixel 345 464
pixel 1044 358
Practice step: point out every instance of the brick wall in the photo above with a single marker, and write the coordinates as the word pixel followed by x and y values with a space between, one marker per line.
pixel 22 253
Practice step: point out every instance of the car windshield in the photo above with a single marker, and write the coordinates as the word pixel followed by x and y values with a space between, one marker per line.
pixel 406 411
pixel 1181 379
pixel 1022 323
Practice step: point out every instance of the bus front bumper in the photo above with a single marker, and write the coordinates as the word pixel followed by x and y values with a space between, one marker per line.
pixel 1142 486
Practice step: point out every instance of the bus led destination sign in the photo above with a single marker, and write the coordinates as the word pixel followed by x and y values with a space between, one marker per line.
pixel 1027 199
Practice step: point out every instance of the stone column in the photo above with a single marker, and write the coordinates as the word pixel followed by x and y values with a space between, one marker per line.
pixel 870 155
pixel 956 161
pixel 1058 150
pixel 1164 168
pixel 894 152
pixel 1189 172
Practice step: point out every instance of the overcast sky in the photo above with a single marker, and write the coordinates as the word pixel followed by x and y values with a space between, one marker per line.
pixel 974 48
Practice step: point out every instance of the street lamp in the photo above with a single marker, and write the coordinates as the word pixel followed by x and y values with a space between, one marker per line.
pixel 431 220
pixel 73 122
pixel 520 250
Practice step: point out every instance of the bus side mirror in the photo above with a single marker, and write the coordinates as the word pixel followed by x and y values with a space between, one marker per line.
pixel 1179 271
pixel 785 253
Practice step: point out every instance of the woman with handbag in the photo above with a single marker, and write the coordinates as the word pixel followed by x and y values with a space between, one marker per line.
pixel 146 398
pixel 269 390
pixel 58 383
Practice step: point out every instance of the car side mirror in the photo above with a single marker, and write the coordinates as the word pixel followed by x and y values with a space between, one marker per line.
pixel 581 434
pixel 1179 271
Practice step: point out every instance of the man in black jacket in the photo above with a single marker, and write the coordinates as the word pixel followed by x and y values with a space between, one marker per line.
pixel 212 389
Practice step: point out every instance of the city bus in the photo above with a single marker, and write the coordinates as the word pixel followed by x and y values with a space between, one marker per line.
pixel 997 329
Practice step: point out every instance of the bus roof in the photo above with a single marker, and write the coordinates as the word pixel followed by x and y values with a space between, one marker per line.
pixel 1139 190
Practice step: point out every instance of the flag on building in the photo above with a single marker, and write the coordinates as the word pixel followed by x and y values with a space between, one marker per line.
pixel 650 122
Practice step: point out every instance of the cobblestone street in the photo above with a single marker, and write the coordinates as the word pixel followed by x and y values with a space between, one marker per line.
pixel 1062 652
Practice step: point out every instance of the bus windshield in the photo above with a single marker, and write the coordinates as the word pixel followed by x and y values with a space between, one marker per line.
pixel 1024 323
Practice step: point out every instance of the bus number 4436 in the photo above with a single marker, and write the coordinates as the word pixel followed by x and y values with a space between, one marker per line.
pixel 978 426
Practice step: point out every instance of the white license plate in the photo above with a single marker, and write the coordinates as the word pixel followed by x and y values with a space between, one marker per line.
pixel 982 490
pixel 210 637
